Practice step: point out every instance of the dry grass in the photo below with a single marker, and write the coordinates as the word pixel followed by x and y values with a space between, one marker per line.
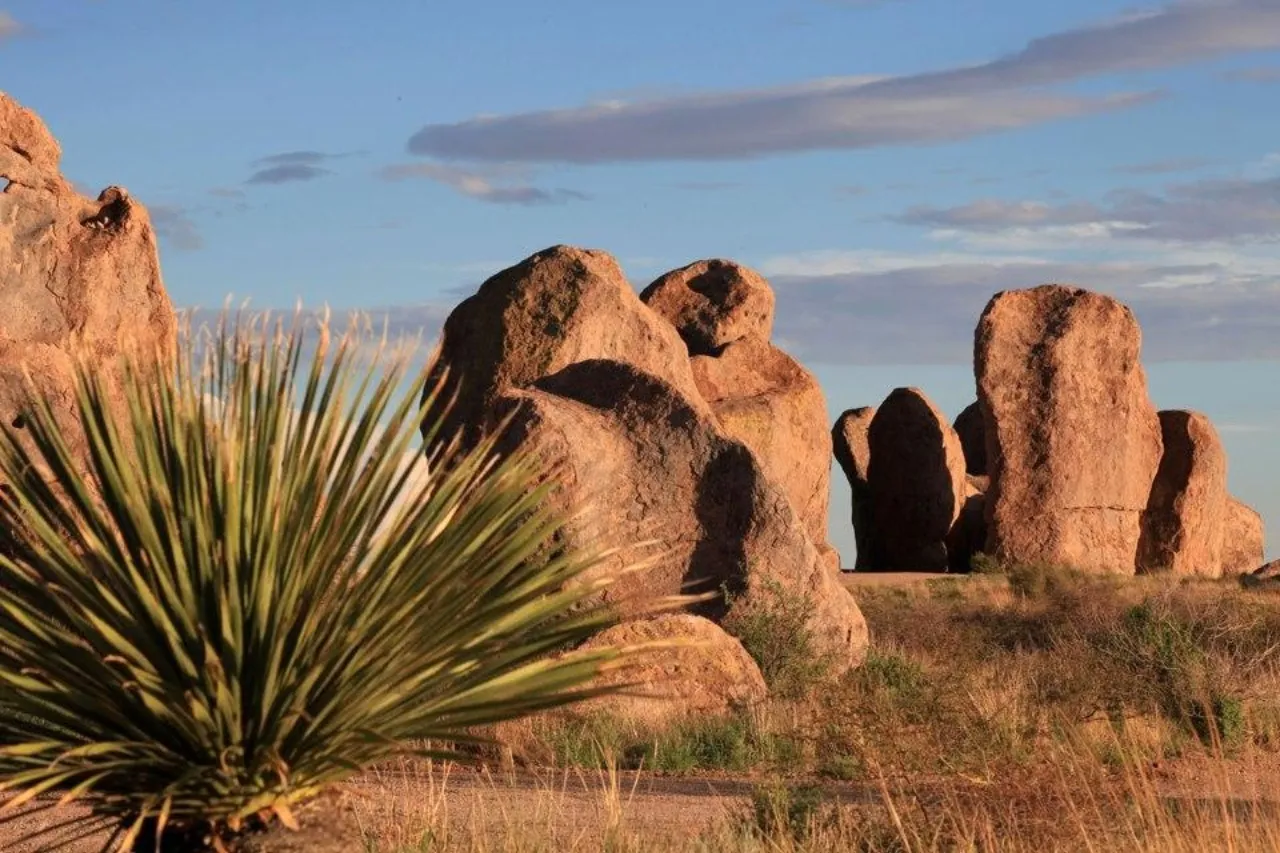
pixel 1030 711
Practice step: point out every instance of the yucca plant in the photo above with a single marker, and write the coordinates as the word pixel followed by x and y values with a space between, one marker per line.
pixel 254 588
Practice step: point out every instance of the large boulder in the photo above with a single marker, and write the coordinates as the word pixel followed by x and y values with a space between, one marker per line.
pixel 713 303
pixel 762 397
pixel 968 534
pixel 703 673
pixel 1073 442
pixel 1186 515
pixel 968 427
pixel 852 448
pixel 600 387
pixel 766 400
pixel 917 482
pixel 79 277
pixel 1243 540
pixel 657 483
pixel 556 308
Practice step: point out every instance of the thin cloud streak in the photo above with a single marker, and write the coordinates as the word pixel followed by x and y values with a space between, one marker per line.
pixel 862 112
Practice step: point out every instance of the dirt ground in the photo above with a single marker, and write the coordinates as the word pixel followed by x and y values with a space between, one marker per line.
pixel 388 810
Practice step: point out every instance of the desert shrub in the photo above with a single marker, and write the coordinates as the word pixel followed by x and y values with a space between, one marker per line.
pixel 253 591
pixel 782 811
pixel 773 626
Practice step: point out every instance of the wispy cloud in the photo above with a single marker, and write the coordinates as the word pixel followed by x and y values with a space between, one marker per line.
pixel 1264 74
pixel 292 167
pixel 482 186
pixel 1208 210
pixel 287 173
pixel 1163 167
pixel 862 112
pixel 173 225
pixel 9 27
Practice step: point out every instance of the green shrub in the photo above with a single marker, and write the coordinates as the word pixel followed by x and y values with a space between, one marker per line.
pixel 773 626
pixel 786 811
pixel 249 595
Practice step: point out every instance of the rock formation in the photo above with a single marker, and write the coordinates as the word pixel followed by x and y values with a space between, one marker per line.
pixel 601 388
pixel 968 534
pixel 853 451
pixel 713 304
pixel 968 427
pixel 1243 539
pixel 1186 514
pixel 76 275
pixel 1073 442
pixel 709 674
pixel 917 482
pixel 761 396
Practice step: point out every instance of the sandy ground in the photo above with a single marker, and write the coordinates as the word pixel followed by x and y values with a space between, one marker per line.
pixel 853 580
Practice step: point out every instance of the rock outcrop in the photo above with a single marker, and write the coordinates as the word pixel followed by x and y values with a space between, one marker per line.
pixel 852 448
pixel 706 673
pixel 601 388
pixel 1186 514
pixel 968 427
pixel 917 482
pixel 968 534
pixel 556 308
pixel 78 277
pixel 712 304
pixel 1073 442
pixel 1243 539
pixel 761 396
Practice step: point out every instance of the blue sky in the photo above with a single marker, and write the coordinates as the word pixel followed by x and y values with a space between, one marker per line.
pixel 889 165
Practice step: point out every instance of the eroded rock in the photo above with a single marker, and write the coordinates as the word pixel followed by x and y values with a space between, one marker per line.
pixel 852 448
pixel 1243 539
pixel 1073 442
pixel 706 673
pixel 713 303
pixel 78 277
pixel 968 427
pixel 917 482
pixel 1186 515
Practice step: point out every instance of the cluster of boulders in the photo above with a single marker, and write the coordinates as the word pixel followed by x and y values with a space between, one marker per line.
pixel 1062 460
pixel 76 274
pixel 684 442
pixel 679 436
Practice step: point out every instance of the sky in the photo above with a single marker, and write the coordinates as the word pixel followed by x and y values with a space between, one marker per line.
pixel 888 164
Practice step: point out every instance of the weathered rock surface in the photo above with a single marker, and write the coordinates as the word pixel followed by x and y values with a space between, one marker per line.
pixel 766 400
pixel 558 307
pixel 1243 539
pixel 1073 442
pixel 968 534
pixel 75 274
pixel 651 467
pixel 713 303
pixel 852 448
pixel 968 427
pixel 1186 515
pixel 917 482
pixel 708 674
pixel 601 388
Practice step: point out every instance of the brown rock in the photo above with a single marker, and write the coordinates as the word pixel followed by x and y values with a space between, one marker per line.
pixel 917 482
pixel 649 466
pixel 707 674
pixel 1243 540
pixel 1073 442
pixel 713 303
pixel 852 448
pixel 558 307
pixel 76 275
pixel 766 400
pixel 968 534
pixel 968 427
pixel 1186 515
